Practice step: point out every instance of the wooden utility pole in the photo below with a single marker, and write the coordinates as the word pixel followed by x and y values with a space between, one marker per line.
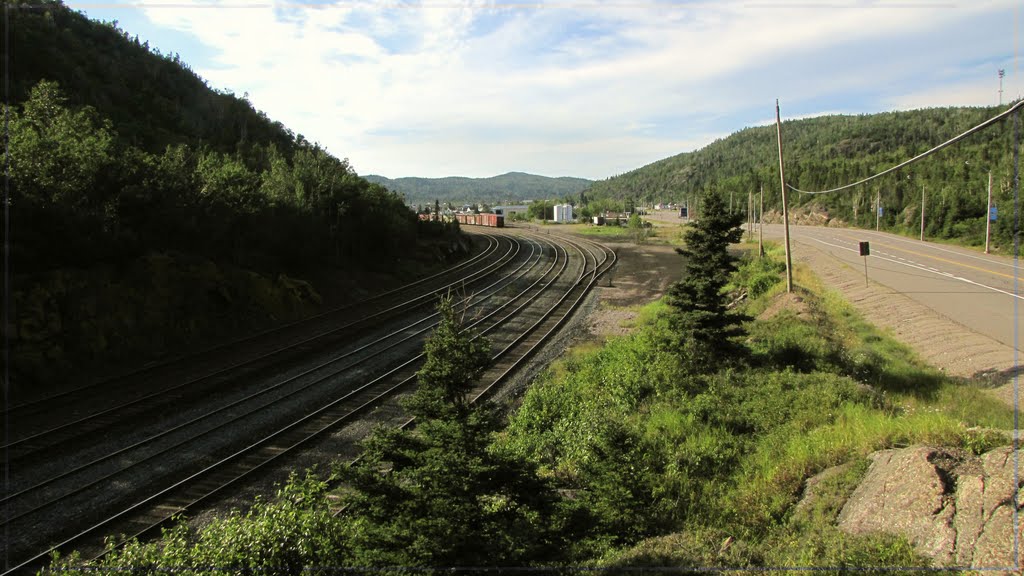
pixel 878 207
pixel 750 215
pixel 988 213
pixel 785 207
pixel 922 212
pixel 760 225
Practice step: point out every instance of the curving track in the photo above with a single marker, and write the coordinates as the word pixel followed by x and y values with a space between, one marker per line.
pixel 127 465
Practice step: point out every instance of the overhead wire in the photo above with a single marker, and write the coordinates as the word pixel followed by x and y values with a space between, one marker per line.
pixel 949 142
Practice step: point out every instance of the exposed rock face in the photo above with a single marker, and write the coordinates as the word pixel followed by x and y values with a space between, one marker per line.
pixel 955 507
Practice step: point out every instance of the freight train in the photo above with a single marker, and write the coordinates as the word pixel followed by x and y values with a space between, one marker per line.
pixel 492 220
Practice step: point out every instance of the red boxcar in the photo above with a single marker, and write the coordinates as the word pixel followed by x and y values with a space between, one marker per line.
pixel 492 220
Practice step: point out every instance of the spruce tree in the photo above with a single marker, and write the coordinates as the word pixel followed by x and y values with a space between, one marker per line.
pixel 437 496
pixel 704 328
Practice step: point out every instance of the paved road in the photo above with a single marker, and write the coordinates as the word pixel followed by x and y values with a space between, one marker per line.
pixel 980 291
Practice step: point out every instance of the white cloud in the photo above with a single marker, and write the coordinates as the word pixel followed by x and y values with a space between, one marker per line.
pixel 475 88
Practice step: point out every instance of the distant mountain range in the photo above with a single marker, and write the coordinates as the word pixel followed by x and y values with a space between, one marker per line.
pixel 506 188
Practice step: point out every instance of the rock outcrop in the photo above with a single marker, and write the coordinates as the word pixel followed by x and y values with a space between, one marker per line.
pixel 955 507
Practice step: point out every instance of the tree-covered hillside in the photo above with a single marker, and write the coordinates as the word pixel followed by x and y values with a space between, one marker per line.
pixel 510 187
pixel 830 151
pixel 150 213
pixel 153 99
pixel 117 150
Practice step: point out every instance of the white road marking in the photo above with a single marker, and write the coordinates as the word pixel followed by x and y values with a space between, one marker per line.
pixel 933 246
pixel 932 270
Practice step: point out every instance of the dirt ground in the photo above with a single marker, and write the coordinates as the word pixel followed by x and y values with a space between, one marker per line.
pixel 642 275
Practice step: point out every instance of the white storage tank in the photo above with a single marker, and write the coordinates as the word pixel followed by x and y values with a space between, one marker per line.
pixel 563 213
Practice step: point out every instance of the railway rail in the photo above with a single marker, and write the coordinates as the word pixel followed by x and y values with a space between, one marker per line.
pixel 517 308
pixel 230 354
pixel 58 419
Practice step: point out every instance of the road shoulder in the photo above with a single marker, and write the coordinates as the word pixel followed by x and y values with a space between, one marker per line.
pixel 940 341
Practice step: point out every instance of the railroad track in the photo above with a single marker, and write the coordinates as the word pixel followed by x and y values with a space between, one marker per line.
pixel 231 354
pixel 518 305
pixel 263 397
pixel 511 358
pixel 62 419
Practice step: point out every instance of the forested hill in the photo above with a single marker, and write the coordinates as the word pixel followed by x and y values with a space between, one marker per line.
pixel 510 187
pixel 150 213
pixel 829 151
pixel 117 150
pixel 152 99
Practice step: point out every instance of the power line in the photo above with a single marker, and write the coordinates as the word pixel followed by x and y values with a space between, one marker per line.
pixel 949 142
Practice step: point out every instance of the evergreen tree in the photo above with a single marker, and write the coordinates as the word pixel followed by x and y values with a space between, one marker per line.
pixel 700 320
pixel 438 496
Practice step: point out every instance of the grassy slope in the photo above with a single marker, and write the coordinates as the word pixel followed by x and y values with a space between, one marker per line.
pixel 715 465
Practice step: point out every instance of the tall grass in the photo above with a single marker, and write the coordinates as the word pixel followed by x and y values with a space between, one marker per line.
pixel 716 463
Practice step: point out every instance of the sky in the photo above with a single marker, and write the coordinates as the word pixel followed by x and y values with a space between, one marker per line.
pixel 585 88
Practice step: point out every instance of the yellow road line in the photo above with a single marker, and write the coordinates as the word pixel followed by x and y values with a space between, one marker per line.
pixel 941 259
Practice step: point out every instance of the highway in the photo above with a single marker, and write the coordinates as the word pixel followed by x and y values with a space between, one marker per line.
pixel 980 291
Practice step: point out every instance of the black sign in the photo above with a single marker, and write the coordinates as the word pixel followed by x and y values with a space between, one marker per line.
pixel 865 249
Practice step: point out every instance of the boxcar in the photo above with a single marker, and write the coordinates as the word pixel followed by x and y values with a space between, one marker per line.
pixel 492 220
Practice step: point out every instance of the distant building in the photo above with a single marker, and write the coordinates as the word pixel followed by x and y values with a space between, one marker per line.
pixel 508 211
pixel 563 213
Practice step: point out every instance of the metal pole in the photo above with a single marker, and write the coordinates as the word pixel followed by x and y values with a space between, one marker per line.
pixel 922 213
pixel 785 207
pixel 988 213
pixel 760 225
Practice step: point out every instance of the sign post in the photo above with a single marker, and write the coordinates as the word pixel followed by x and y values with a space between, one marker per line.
pixel 865 251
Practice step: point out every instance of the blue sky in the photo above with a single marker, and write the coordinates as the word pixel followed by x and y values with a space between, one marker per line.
pixel 587 88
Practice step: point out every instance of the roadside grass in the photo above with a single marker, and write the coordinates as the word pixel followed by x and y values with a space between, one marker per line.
pixel 716 465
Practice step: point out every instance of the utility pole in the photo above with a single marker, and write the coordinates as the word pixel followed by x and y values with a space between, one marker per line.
pixel 988 212
pixel 878 207
pixel 1001 74
pixel 785 207
pixel 750 215
pixel 922 212
pixel 760 225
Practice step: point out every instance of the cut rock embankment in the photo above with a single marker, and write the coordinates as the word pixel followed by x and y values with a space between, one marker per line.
pixel 954 507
